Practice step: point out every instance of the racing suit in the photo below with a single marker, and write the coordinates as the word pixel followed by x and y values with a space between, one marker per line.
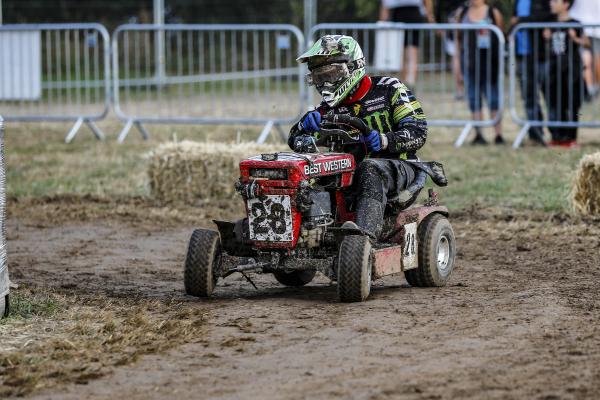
pixel 386 105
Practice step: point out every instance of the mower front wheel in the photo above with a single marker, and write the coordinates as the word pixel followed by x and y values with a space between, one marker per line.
pixel 202 263
pixel 294 278
pixel 354 269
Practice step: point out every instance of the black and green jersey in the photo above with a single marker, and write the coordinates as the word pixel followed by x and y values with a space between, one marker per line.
pixel 388 106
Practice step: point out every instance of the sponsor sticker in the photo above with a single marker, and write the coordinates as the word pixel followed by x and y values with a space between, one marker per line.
pixel 376 107
pixel 375 100
pixel 328 166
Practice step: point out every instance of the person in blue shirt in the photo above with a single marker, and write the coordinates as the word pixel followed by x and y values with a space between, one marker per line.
pixel 530 48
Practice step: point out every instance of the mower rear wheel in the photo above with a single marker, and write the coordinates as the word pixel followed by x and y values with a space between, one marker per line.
pixel 294 278
pixel 411 277
pixel 202 263
pixel 354 269
pixel 437 250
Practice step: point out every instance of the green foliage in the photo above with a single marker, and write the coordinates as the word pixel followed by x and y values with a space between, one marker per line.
pixel 347 11
pixel 115 12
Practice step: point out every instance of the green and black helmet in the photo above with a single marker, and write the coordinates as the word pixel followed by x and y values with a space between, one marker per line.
pixel 336 64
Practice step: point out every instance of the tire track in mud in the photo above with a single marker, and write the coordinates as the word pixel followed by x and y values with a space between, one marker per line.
pixel 519 319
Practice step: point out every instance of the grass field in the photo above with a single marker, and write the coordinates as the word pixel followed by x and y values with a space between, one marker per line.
pixel 52 337
pixel 98 261
pixel 40 164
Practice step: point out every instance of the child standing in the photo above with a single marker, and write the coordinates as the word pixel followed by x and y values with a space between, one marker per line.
pixel 564 74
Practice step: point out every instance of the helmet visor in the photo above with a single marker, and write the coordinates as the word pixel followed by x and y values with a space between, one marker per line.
pixel 330 73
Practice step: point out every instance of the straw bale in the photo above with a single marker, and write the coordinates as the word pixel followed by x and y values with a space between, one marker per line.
pixel 585 195
pixel 190 171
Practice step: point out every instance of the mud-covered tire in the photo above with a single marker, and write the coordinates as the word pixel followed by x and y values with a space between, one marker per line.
pixel 411 277
pixel 202 263
pixel 437 251
pixel 354 269
pixel 294 278
pixel 4 306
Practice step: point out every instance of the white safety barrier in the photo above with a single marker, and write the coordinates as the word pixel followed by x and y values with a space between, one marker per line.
pixel 546 64
pixel 207 74
pixel 4 281
pixel 55 72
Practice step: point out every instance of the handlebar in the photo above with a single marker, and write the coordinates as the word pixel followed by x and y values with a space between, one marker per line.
pixel 342 126
pixel 354 122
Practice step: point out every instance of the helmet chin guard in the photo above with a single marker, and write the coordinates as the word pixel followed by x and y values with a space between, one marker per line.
pixel 333 95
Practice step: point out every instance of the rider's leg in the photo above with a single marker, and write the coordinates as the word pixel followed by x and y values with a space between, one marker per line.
pixel 376 180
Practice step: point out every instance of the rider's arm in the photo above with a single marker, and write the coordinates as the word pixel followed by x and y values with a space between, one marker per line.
pixel 294 133
pixel 410 125
pixel 298 130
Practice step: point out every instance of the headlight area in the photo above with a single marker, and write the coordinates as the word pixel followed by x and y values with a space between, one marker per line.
pixel 280 174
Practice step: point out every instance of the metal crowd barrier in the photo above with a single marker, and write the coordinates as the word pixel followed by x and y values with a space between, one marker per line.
pixel 4 281
pixel 435 87
pixel 196 74
pixel 546 65
pixel 55 72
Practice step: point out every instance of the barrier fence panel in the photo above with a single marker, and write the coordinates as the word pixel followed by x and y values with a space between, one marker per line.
pixel 55 72
pixel 221 74
pixel 547 68
pixel 476 50
pixel 4 281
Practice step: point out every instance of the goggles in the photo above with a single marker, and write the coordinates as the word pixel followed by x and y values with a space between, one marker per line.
pixel 329 73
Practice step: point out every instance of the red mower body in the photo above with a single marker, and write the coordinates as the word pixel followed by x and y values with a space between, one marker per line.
pixel 299 221
pixel 284 175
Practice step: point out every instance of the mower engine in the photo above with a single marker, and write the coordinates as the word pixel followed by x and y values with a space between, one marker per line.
pixel 290 197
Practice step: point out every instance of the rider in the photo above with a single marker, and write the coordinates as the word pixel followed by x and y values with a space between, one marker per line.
pixel 398 127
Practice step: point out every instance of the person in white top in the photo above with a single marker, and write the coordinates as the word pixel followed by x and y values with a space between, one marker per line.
pixel 588 12
pixel 411 12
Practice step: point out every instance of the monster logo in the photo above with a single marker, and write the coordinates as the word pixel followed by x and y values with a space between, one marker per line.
pixel 379 118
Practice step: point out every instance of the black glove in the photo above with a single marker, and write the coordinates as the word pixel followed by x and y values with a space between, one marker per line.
pixel 305 144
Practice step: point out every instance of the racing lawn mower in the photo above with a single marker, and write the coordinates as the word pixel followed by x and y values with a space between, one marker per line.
pixel 299 212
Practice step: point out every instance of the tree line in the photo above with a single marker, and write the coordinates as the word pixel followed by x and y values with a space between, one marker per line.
pixel 112 13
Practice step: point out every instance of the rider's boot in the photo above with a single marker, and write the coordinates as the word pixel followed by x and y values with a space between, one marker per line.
pixel 369 216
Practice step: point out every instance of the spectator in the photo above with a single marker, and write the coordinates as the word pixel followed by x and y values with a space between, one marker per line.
pixel 564 74
pixel 448 10
pixel 479 50
pixel 588 12
pixel 530 56
pixel 408 11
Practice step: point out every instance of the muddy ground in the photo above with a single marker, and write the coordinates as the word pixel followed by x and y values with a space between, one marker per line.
pixel 520 317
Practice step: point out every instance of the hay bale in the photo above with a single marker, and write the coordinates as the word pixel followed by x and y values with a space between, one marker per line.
pixel 190 171
pixel 585 195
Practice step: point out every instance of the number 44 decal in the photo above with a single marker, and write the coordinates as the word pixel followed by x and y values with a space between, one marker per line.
pixel 410 247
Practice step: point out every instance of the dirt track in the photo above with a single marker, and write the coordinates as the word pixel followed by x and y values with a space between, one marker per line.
pixel 519 319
